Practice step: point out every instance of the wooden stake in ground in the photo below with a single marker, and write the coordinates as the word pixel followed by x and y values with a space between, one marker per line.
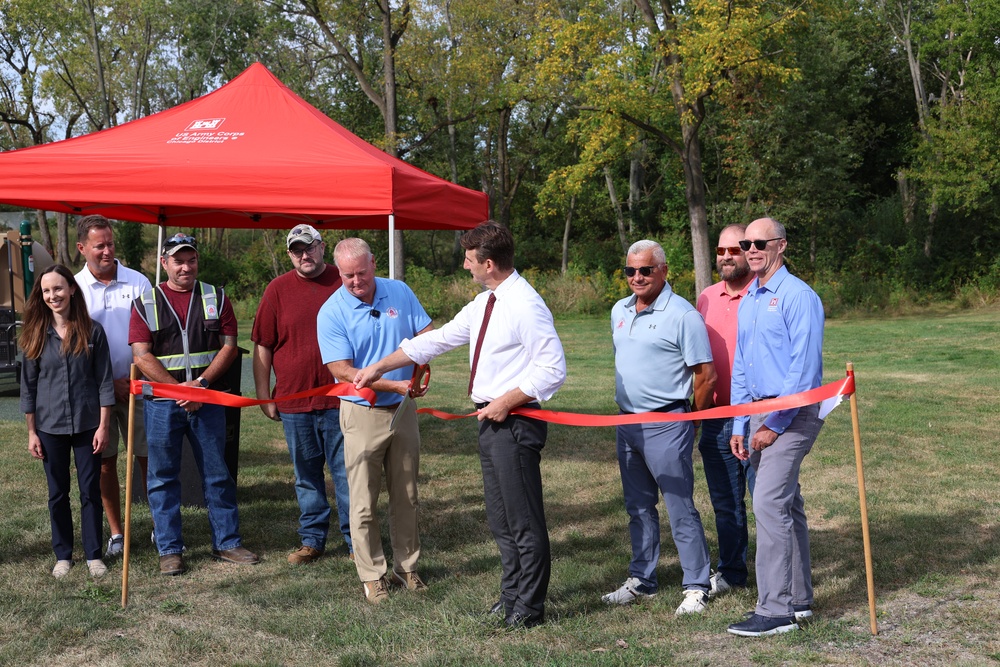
pixel 865 533
pixel 128 490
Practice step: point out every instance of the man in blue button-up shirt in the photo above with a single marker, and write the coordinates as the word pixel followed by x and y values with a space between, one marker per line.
pixel 779 352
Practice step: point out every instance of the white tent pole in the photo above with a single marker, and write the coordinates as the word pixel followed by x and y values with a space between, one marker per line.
pixel 392 245
pixel 159 244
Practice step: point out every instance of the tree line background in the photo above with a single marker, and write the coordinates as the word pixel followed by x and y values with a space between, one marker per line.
pixel 868 127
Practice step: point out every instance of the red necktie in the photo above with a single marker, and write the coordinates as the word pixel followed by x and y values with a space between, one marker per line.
pixel 479 341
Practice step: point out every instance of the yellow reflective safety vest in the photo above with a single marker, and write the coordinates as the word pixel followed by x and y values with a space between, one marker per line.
pixel 185 352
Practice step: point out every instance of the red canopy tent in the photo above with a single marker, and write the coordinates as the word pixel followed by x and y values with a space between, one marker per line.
pixel 250 154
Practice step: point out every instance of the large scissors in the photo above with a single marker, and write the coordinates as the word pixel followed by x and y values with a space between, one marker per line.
pixel 421 378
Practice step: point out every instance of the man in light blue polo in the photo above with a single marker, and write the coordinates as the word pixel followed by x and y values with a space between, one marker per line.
pixel 779 352
pixel 663 360
pixel 363 321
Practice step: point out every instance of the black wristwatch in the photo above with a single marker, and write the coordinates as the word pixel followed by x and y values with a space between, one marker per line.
pixel 203 382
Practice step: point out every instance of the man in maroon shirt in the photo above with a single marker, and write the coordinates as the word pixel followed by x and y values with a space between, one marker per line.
pixel 183 332
pixel 284 336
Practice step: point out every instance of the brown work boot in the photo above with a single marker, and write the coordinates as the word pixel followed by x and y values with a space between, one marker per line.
pixel 411 581
pixel 376 591
pixel 237 555
pixel 304 554
pixel 171 565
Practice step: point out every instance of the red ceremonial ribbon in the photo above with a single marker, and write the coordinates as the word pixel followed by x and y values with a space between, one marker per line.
pixel 843 387
pixel 163 390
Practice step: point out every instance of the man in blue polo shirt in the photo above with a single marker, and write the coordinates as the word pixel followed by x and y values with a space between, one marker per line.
pixel 363 321
pixel 779 352
pixel 662 359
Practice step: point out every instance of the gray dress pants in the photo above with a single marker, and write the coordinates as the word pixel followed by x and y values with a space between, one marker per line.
pixel 784 575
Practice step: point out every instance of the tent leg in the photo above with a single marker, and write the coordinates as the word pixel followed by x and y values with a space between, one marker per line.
pixel 392 246
pixel 161 231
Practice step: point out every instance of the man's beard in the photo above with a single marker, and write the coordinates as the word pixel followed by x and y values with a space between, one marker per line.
pixel 736 272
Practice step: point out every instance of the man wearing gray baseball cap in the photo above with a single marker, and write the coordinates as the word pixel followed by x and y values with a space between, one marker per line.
pixel 284 336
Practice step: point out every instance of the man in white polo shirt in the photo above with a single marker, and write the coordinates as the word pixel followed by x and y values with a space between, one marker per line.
pixel 110 289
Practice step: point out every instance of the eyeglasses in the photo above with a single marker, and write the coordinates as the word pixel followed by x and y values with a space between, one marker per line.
pixel 180 239
pixel 298 252
pixel 760 244
pixel 644 270
pixel 733 250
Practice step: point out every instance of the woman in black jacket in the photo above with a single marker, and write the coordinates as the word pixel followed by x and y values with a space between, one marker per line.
pixel 66 396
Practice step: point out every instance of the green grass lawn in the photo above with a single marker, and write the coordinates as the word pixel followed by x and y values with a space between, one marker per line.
pixel 928 390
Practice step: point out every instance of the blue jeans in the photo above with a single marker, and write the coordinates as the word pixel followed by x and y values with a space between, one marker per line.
pixel 314 439
pixel 166 426
pixel 728 479
pixel 654 459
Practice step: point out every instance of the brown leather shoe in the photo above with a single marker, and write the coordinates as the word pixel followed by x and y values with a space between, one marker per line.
pixel 171 565
pixel 237 555
pixel 376 591
pixel 411 581
pixel 304 554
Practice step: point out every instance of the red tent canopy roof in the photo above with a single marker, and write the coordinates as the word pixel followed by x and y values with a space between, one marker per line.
pixel 250 154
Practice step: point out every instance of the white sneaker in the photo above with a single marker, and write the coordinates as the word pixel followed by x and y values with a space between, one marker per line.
pixel 719 585
pixel 116 547
pixel 694 602
pixel 630 591
pixel 62 568
pixel 97 568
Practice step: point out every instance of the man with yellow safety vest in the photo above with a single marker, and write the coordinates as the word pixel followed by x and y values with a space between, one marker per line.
pixel 184 332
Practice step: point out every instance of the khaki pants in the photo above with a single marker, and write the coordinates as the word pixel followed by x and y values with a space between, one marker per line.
pixel 369 449
pixel 118 436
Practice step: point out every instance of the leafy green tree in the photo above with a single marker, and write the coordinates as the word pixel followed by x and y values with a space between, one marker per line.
pixel 654 69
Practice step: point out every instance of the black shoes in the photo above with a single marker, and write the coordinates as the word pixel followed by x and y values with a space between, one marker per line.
pixel 763 626
pixel 517 620
pixel 498 609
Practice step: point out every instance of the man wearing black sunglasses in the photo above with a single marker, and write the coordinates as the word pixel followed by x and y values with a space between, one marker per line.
pixel 779 352
pixel 662 359
pixel 727 476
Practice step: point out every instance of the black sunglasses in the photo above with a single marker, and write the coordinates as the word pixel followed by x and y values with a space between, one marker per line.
pixel 644 270
pixel 760 244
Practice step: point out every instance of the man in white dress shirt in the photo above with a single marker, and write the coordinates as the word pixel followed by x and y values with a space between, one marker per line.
pixel 109 289
pixel 516 359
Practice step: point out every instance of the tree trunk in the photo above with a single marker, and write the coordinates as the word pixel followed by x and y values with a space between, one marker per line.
pixel 694 188
pixel 616 205
pixel 391 118
pixel 503 165
pixel 636 179
pixel 43 231
pixel 907 197
pixel 565 243
pixel 62 246
pixel 269 239
pixel 95 45
pixel 932 215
